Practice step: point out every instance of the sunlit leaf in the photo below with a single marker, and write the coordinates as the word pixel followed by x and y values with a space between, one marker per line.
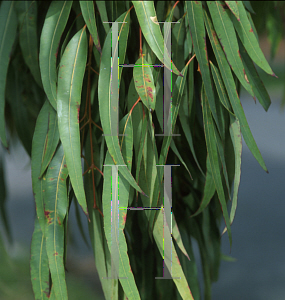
pixel 151 30
pixel 55 207
pixel 39 264
pixel 144 83
pixel 53 28
pixel 70 79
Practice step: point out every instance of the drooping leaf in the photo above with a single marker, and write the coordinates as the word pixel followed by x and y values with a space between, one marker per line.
pixel 55 207
pixel 53 28
pixel 120 257
pixel 39 264
pixel 210 136
pixel 248 39
pixel 232 93
pixel 159 233
pixel 70 79
pixel 144 83
pixel 197 29
pixel 52 138
pixel 38 152
pixel 226 34
pixel 237 142
pixel 105 106
pixel 209 189
pixel 8 27
pixel 151 30
pixel 255 81
pixel 88 13
pixel 232 5
pixel 27 15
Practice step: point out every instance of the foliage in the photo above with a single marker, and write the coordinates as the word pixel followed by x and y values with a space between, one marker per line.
pixel 57 61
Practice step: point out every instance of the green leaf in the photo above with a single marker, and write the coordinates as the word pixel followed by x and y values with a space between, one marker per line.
pixel 27 15
pixel 197 29
pixel 8 27
pixel 103 14
pixel 88 13
pixel 38 152
pixel 51 140
pixel 232 92
pixel 53 28
pixel 56 204
pixel 226 34
pixel 39 264
pixel 211 143
pixel 255 80
pixel 232 5
pixel 96 230
pixel 111 228
pixel 209 189
pixel 147 18
pixel 248 39
pixel 181 284
pixel 144 83
pixel 237 142
pixel 70 79
pixel 104 95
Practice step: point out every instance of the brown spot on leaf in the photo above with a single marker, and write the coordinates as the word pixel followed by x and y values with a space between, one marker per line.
pixel 58 220
pixel 251 30
pixel 55 254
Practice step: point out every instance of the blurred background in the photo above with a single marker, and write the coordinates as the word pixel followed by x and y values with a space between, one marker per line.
pixel 258 229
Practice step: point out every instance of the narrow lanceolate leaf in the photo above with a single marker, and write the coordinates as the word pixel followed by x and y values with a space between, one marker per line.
pixel 144 83
pixel 147 18
pixel 8 27
pixel 210 136
pixel 237 143
pixel 227 37
pixel 38 153
pixel 55 202
pixel 39 264
pixel 232 92
pixel 119 253
pixel 53 28
pixel 70 79
pixel 181 283
pixel 27 15
pixel 105 107
pixel 248 39
pixel 51 139
pixel 103 14
pixel 232 5
pixel 88 14
pixel 254 79
pixel 209 188
pixel 197 29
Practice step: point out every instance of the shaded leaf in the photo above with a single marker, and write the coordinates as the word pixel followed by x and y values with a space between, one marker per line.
pixel 8 27
pixel 237 142
pixel 210 136
pixel 27 15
